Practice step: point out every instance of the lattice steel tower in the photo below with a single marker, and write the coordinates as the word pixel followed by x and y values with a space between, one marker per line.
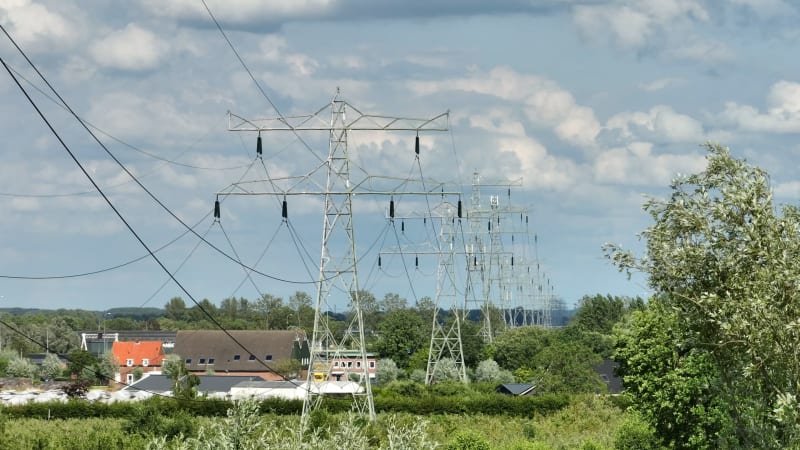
pixel 338 263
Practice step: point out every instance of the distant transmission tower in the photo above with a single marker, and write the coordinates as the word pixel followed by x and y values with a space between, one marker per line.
pixel 338 266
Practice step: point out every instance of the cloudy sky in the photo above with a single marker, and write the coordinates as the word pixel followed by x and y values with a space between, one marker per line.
pixel 592 103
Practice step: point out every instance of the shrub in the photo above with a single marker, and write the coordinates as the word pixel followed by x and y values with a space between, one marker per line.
pixel 635 434
pixel 468 440
pixel 387 372
pixel 489 371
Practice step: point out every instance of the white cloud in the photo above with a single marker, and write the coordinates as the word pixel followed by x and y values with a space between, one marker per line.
pixel 273 49
pixel 545 102
pixel 782 114
pixel 766 8
pixel 661 124
pixel 132 48
pixel 36 27
pixel 637 164
pixel 126 115
pixel 632 24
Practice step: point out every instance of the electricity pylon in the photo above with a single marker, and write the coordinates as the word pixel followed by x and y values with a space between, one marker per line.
pixel 338 263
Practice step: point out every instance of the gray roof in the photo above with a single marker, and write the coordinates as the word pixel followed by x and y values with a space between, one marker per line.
pixel 607 370
pixel 208 383
pixel 516 388
pixel 269 384
pixel 266 346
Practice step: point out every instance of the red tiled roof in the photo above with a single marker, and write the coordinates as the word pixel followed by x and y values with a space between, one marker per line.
pixel 151 350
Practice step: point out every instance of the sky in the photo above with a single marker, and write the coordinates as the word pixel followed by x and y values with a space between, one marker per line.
pixel 592 104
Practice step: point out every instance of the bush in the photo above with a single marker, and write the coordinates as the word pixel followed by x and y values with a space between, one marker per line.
pixel 489 371
pixel 468 440
pixel 404 388
pixel 635 434
pixel 387 372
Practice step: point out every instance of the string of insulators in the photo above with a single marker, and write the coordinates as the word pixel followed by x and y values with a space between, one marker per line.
pixel 391 208
pixel 416 145
pixel 216 208
pixel 459 208
pixel 379 261
pixel 512 261
pixel 284 210
pixel 416 262
pixel 424 220
pixel 259 149
pixel 490 225
pixel 403 226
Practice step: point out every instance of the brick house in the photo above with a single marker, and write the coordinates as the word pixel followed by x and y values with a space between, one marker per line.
pixel 146 355
pixel 244 352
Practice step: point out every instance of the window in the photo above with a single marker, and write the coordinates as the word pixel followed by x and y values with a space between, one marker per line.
pixel 349 363
pixel 372 364
pixel 188 360
pixel 237 357
pixel 129 362
pixel 211 360
pixel 252 358
pixel 358 364
pixel 129 378
pixel 202 361
pixel 268 358
pixel 145 362
pixel 336 364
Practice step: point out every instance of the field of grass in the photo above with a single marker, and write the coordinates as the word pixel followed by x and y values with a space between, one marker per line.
pixel 588 422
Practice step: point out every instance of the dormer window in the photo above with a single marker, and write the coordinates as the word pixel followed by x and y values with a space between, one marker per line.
pixel 145 362
pixel 129 362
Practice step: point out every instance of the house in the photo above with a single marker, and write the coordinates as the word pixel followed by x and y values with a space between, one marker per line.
pixel 210 385
pixel 516 389
pixel 145 355
pixel 100 342
pixel 241 352
pixel 345 362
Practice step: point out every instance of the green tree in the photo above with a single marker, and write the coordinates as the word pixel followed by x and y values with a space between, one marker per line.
pixel 171 365
pixel 489 371
pixel 78 360
pixel 726 260
pixel 386 372
pixel 21 368
pixel 52 367
pixel 599 313
pixel 175 309
pixel 518 347
pixel 676 390
pixel 401 333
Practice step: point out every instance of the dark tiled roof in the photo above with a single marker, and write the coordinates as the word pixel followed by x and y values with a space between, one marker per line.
pixel 269 346
pixel 208 383
pixel 516 388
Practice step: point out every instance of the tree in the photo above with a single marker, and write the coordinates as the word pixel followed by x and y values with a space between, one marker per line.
pixel 726 260
pixel 21 368
pixel 78 360
pixel 171 365
pixel 386 372
pixel 401 333
pixel 392 302
pixel 175 309
pixel 599 313
pixel 52 367
pixel 489 371
pixel 518 347
pixel 675 390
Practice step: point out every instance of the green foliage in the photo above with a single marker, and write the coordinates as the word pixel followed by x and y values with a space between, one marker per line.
pixel 148 419
pixel 51 367
pixel 636 434
pixel 21 367
pixel 489 371
pixel 401 333
pixel 137 373
pixel 599 313
pixel 677 390
pixel 726 260
pixel 445 370
pixel 78 360
pixel 518 347
pixel 567 367
pixel 386 372
pixel 468 440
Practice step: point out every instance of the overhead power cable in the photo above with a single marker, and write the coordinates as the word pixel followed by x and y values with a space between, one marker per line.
pixel 111 204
